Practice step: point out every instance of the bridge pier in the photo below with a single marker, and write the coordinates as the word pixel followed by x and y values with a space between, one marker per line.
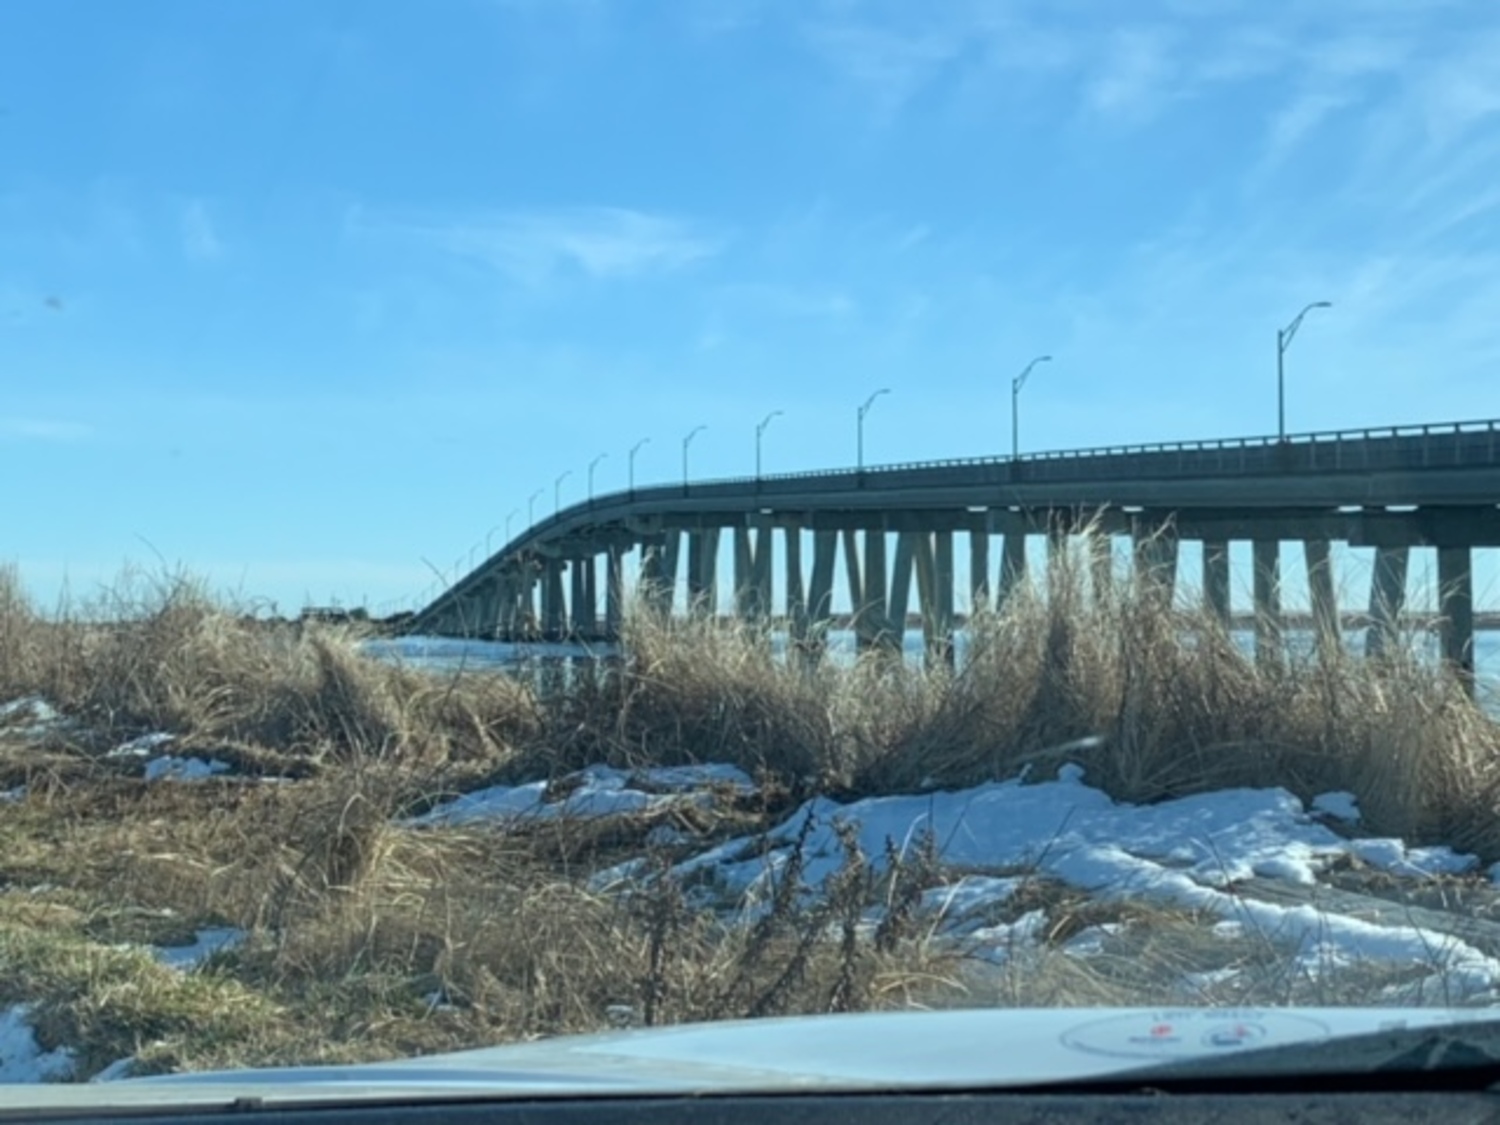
pixel 1325 610
pixel 703 571
pixel 614 592
pixel 1387 598
pixel 872 626
pixel 1266 588
pixel 585 603
pixel 1216 580
pixel 820 589
pixel 1012 564
pixel 1456 605
pixel 898 597
pixel 1101 554
pixel 979 567
pixel 554 605
pixel 796 595
pixel 1156 559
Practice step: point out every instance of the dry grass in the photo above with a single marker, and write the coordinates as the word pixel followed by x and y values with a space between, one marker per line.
pixel 368 938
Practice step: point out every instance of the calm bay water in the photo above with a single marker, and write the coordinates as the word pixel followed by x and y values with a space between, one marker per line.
pixel 443 654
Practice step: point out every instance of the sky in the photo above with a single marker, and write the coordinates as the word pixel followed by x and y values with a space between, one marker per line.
pixel 311 297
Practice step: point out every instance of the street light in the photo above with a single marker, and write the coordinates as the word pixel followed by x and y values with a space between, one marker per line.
pixel 1284 341
pixel 592 464
pixel 1015 405
pixel 634 449
pixel 687 441
pixel 512 515
pixel 488 550
pixel 860 426
pixel 531 508
pixel 557 490
pixel 760 429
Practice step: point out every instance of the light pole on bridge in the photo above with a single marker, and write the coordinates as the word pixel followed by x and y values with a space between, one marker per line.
pixel 531 508
pixel 634 449
pixel 592 465
pixel 859 427
pixel 557 490
pixel 1284 341
pixel 1015 404
pixel 759 430
pixel 687 441
pixel 514 512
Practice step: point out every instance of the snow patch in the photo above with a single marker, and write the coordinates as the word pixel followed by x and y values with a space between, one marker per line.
pixel 209 941
pixel 183 769
pixel 141 747
pixel 1184 853
pixel 1340 805
pixel 21 1057
pixel 594 792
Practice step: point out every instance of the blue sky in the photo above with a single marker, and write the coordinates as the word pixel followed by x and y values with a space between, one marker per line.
pixel 308 296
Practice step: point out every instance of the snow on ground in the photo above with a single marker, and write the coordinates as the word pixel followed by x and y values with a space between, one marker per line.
pixel 593 792
pixel 32 717
pixel 209 941
pixel 1340 806
pixel 1180 853
pixel 16 794
pixel 21 1058
pixel 183 769
pixel 141 747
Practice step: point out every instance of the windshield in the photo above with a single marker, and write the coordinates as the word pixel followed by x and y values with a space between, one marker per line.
pixel 537 518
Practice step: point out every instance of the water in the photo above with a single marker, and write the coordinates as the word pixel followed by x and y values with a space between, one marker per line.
pixel 446 655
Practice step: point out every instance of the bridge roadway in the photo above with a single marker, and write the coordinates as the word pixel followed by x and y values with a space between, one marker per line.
pixel 1392 488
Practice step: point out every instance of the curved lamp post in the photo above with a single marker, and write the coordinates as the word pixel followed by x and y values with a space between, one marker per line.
pixel 759 430
pixel 1284 341
pixel 1015 404
pixel 687 441
pixel 860 426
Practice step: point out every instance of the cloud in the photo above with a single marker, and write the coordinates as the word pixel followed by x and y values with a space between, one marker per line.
pixel 200 241
pixel 43 429
pixel 533 247
pixel 1136 76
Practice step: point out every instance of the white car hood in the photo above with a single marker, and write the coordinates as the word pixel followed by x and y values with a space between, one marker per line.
pixel 967 1049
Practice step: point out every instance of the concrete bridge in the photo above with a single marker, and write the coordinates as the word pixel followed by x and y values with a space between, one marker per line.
pixel 1392 489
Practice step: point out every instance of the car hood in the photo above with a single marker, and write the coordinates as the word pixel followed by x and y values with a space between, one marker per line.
pixel 968 1049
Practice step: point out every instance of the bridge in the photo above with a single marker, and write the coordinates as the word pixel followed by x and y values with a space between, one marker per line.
pixel 1390 488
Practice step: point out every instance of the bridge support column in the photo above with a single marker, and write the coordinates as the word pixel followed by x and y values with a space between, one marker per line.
pixel 1012 565
pixel 554 605
pixel 979 568
pixel 796 595
pixel 820 589
pixel 703 571
pixel 1387 598
pixel 1216 580
pixel 614 592
pixel 1266 585
pixel 585 597
pixel 1156 559
pixel 761 562
pixel 1101 564
pixel 744 593
pixel 1456 604
pixel 898 598
pixel 942 550
pixel 1325 608
pixel 871 625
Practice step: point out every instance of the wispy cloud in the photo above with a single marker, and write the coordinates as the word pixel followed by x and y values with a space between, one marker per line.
pixel 43 429
pixel 1136 74
pixel 200 238
pixel 534 247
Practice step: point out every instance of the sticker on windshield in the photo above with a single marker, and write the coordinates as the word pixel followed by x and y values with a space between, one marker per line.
pixel 1192 1032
